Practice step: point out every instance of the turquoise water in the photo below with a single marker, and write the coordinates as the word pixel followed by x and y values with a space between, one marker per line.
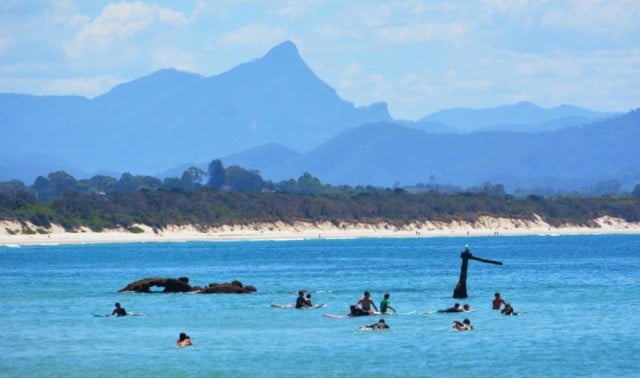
pixel 579 296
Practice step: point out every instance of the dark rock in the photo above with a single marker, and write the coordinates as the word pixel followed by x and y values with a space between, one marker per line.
pixel 181 285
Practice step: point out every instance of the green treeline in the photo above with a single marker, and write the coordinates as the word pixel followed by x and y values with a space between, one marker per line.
pixel 234 195
pixel 208 207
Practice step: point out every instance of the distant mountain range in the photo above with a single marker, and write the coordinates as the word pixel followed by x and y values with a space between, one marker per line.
pixel 275 115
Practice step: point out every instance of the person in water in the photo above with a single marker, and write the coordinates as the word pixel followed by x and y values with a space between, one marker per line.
pixel 183 340
pixel 464 326
pixel 456 308
pixel 300 301
pixel 508 310
pixel 466 308
pixel 384 304
pixel 497 301
pixel 119 311
pixel 379 326
pixel 363 306
pixel 307 300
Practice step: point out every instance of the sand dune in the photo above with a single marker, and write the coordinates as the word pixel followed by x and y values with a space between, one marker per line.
pixel 14 233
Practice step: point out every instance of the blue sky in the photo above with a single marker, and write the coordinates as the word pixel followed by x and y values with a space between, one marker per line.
pixel 418 56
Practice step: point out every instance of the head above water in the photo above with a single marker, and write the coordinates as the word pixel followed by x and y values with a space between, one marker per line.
pixel 367 293
pixel 386 295
pixel 117 304
pixel 466 321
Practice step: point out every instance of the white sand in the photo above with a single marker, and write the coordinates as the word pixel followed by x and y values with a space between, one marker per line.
pixel 13 233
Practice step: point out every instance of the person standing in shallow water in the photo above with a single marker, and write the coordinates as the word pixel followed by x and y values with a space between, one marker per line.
pixel 497 301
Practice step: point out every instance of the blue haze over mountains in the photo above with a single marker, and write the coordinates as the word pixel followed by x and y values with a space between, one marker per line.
pixel 275 115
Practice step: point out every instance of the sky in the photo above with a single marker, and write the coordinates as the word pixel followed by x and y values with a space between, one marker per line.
pixel 417 56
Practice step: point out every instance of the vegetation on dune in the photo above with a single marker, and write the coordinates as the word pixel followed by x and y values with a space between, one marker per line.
pixel 234 195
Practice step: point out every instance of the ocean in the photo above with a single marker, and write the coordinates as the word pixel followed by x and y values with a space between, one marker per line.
pixel 578 299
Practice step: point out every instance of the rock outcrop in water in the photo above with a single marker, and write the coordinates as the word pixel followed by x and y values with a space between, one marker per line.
pixel 181 285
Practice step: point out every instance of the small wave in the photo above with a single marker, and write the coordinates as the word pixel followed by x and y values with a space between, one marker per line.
pixel 10 245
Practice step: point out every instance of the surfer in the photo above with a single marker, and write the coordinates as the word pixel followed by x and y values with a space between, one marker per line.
pixel 384 304
pixel 379 326
pixel 119 311
pixel 508 310
pixel 365 303
pixel 307 300
pixel 301 302
pixel 183 340
pixel 456 308
pixel 497 301
pixel 464 326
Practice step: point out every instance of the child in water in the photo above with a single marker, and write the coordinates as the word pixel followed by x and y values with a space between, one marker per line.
pixel 464 326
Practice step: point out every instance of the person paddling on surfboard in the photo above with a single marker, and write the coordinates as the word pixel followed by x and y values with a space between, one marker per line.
pixel 384 304
pixel 379 326
pixel 464 326
pixel 119 311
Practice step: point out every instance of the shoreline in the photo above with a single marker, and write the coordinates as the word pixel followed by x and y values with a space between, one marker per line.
pixel 13 233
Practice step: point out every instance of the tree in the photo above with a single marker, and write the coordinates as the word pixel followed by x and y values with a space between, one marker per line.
pixel 217 174
pixel 192 178
pixel 244 180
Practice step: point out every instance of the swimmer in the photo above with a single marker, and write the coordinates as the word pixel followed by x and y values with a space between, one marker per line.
pixel 464 326
pixel 508 310
pixel 183 340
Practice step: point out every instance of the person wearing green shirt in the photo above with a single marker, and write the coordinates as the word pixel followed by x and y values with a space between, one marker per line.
pixel 384 305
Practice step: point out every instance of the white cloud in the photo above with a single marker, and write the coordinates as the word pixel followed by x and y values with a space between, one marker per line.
pixel 611 16
pixel 421 33
pixel 118 23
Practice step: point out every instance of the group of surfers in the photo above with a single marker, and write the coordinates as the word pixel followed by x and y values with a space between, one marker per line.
pixel 365 306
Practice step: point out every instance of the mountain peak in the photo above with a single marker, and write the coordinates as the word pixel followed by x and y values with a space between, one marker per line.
pixel 286 51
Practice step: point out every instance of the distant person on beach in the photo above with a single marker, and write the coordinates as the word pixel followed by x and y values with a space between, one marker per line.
pixel 379 326
pixel 456 308
pixel 363 306
pixel 464 326
pixel 300 301
pixel 119 311
pixel 384 304
pixel 183 340
pixel 497 301
pixel 508 310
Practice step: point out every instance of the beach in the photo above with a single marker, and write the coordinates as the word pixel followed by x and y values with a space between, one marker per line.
pixel 15 233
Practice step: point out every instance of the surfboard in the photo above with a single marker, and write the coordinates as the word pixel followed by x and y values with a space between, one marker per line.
pixel 114 316
pixel 336 316
pixel 276 305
